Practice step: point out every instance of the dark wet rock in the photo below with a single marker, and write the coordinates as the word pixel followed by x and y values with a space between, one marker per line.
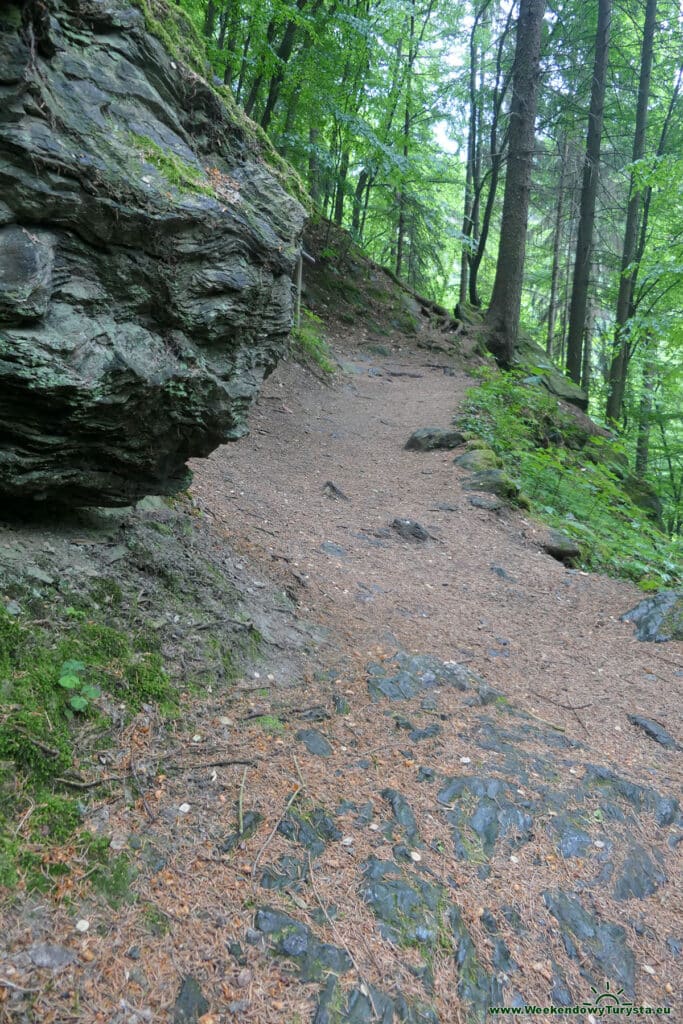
pixel 529 355
pixel 603 942
pixel 410 529
pixel 341 704
pixel 407 907
pixel 488 694
pixel 658 618
pixel 287 873
pixel 572 841
pixel 403 813
pixel 560 992
pixel 407 675
pixel 486 501
pixel 315 742
pixel 365 815
pixel 330 490
pixel 328 547
pixel 645 497
pixel 191 1003
pixel 315 714
pixel 142 300
pixel 290 938
pixel 428 733
pixel 50 955
pixel 428 439
pixel 675 946
pixel 664 808
pixel 482 813
pixel 250 822
pixel 655 731
pixel 314 830
pixel 237 953
pixel 640 874
pixel 561 547
pixel 478 459
pixel 133 953
pixel 499 571
pixel 475 986
pixel 493 481
pixel 426 775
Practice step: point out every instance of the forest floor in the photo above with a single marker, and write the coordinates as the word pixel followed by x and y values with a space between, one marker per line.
pixel 441 800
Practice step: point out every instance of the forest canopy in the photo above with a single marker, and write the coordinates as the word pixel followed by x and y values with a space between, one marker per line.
pixel 400 117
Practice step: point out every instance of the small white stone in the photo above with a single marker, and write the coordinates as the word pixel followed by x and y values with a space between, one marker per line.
pixel 465 760
pixel 196 738
pixel 82 925
pixel 225 721
pixel 184 808
pixel 347 841
pixel 514 860
pixel 414 855
pixel 648 969
pixel 271 677
pixel 599 843
pixel 374 827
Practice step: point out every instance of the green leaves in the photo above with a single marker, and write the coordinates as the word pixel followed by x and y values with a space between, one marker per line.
pixel 82 693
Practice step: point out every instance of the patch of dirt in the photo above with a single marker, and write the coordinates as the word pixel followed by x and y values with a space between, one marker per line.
pixel 554 676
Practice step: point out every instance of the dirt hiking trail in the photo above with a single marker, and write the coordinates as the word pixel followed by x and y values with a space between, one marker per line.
pixel 425 799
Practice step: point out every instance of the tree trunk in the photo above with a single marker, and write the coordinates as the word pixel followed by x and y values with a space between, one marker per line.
pixel 587 349
pixel 619 366
pixel 503 313
pixel 589 191
pixel 557 243
pixel 313 166
pixel 341 188
pixel 645 413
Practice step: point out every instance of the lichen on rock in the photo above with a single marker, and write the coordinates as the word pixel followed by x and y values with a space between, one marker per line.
pixel 146 253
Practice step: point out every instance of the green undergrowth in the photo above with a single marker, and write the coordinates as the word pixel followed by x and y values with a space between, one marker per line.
pixel 309 345
pixel 575 480
pixel 60 684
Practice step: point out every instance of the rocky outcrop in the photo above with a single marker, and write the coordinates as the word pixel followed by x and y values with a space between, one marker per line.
pixel 146 253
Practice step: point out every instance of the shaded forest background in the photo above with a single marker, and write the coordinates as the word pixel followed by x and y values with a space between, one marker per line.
pixel 397 116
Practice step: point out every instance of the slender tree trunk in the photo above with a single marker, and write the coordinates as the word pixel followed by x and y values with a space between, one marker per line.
pixel 587 348
pixel 619 366
pixel 557 243
pixel 589 191
pixel 341 188
pixel 504 311
pixel 209 19
pixel 645 412
pixel 357 203
pixel 313 166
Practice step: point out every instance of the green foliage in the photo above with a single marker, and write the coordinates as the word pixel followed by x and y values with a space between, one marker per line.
pixel 575 481
pixel 51 682
pixel 183 176
pixel 309 344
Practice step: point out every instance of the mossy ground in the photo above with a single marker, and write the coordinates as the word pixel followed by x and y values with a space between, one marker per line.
pixel 573 480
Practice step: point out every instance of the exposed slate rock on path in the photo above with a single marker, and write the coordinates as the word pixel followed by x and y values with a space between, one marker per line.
pixel 515 849
pixel 146 254
pixel 658 618
pixel 552 866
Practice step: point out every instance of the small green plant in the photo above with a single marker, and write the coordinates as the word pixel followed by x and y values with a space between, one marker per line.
pixel 82 693
pixel 309 344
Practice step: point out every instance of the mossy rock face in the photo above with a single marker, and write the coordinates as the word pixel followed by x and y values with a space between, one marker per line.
pixel 493 481
pixel 529 355
pixel 146 253
pixel 644 496
pixel 478 459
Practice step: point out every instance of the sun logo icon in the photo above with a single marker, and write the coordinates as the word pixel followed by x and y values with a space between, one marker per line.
pixel 607 996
